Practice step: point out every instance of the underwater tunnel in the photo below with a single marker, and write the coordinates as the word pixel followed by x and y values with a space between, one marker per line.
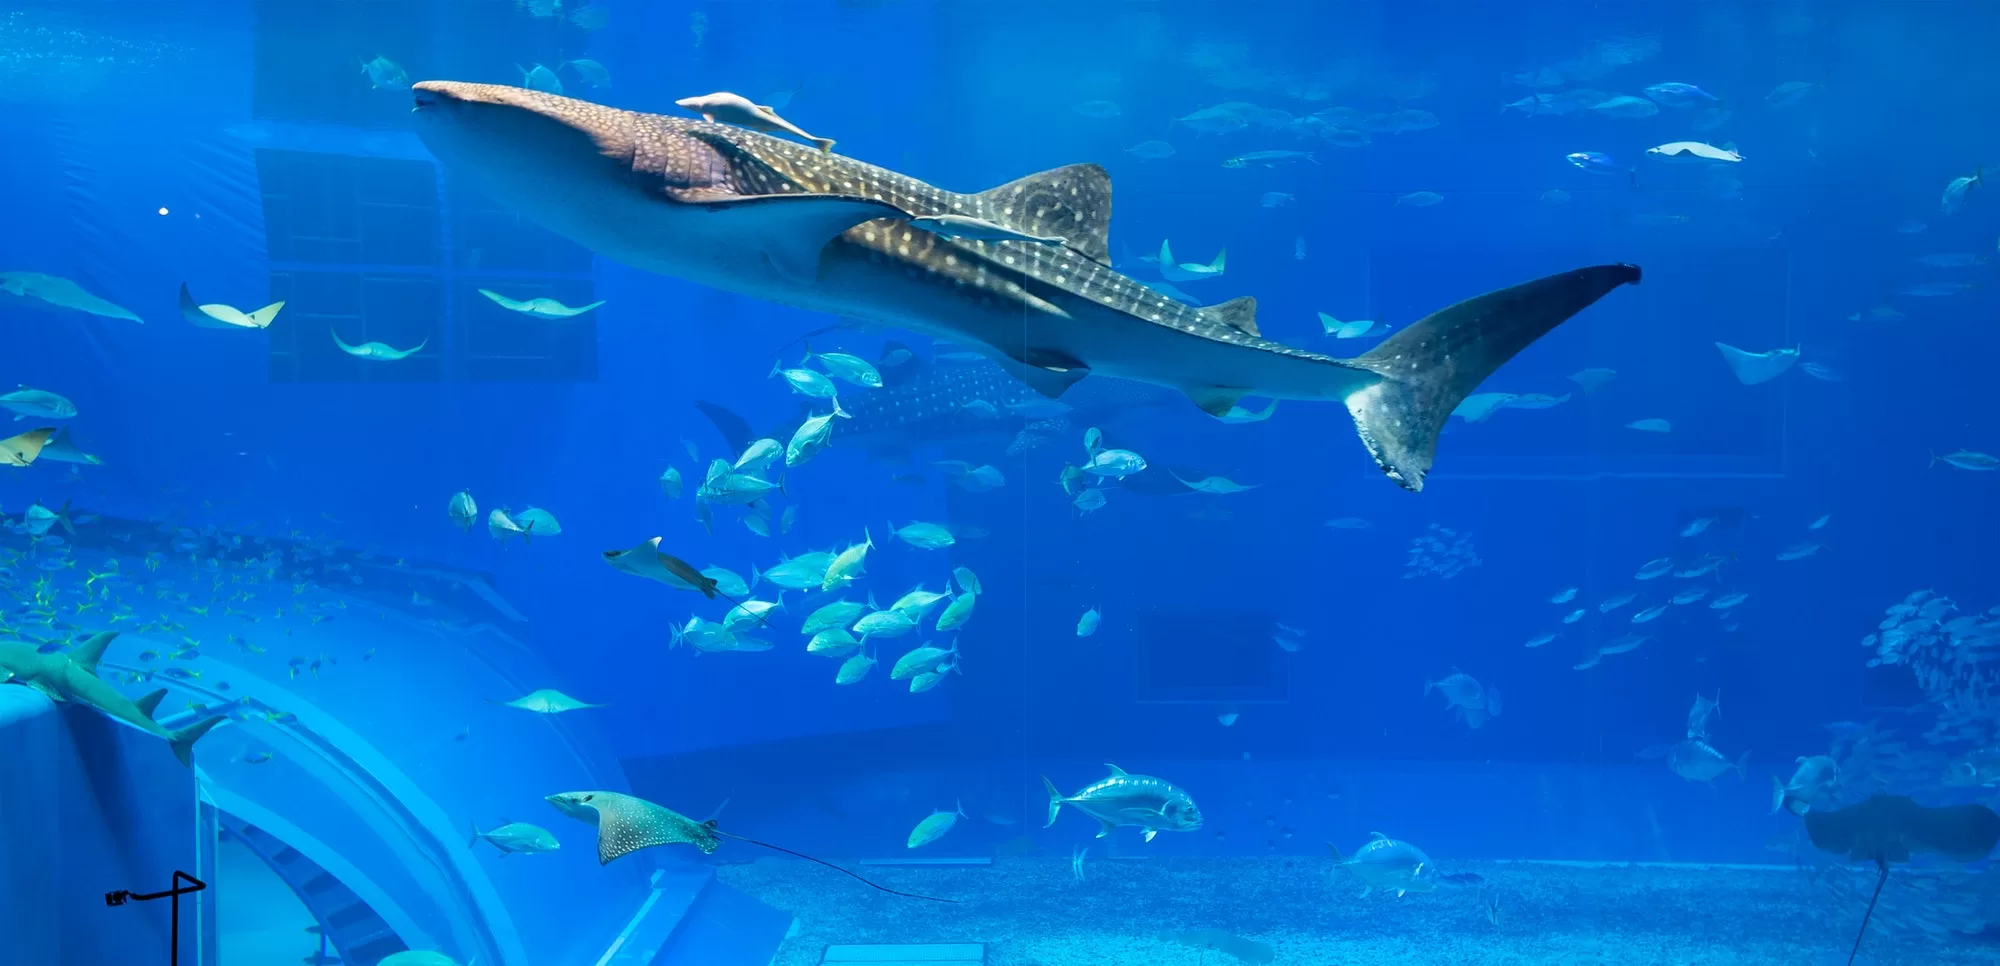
pixel 358 799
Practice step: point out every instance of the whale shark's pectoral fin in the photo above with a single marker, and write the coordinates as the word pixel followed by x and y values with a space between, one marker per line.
pixel 789 229
pixel 91 651
pixel 1049 372
pixel 1216 401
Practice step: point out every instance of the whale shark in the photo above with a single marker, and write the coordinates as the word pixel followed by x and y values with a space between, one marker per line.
pixel 72 676
pixel 752 214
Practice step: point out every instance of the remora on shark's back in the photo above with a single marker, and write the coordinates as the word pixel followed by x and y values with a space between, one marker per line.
pixel 759 216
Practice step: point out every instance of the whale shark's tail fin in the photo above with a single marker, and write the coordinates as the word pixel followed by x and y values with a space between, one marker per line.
pixel 1433 364
pixel 183 740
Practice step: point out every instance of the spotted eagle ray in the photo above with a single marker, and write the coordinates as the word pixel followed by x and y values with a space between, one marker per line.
pixel 628 823
pixel 73 676
pixel 752 214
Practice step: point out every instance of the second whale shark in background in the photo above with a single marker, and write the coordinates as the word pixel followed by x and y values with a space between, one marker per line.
pixel 763 217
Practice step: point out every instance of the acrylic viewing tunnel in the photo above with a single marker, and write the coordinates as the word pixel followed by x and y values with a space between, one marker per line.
pixel 330 799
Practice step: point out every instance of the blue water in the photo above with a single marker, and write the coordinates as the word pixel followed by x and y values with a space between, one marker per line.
pixel 294 498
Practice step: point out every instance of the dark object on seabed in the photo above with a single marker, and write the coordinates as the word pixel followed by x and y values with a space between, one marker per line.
pixel 1887 828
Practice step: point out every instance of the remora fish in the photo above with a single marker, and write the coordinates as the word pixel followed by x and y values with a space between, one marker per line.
pixel 73 676
pixel 763 217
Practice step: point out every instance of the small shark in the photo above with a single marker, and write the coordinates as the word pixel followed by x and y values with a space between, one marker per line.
pixel 73 676
pixel 759 216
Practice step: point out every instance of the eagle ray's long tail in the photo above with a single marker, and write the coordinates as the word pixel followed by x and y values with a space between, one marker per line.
pixel 808 858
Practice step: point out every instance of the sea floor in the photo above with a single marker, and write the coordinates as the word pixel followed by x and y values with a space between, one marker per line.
pixel 1033 911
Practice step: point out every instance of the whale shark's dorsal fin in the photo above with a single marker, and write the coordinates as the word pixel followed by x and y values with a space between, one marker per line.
pixel 1073 201
pixel 91 651
pixel 1237 313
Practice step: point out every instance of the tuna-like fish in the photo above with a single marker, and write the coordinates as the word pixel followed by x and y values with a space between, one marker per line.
pixel 1474 702
pixel 516 837
pixel 39 403
pixel 1121 798
pixel 1814 782
pixel 1698 761
pixel 463 510
pixel 1386 864
pixel 934 826
pixel 756 215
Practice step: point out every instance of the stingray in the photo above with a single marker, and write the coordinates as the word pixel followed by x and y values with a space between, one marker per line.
pixel 1887 828
pixel 1752 368
pixel 627 823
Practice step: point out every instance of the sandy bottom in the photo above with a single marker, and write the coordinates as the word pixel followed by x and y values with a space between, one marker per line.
pixel 1033 912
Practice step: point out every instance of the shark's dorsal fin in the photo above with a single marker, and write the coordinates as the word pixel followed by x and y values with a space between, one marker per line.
pixel 1237 313
pixel 1116 772
pixel 1073 201
pixel 91 651
pixel 150 702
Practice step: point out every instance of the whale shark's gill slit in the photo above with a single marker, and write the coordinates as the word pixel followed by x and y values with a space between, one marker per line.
pixel 710 825
pixel 1431 366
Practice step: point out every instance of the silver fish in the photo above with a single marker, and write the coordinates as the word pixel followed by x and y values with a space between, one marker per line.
pixel 1122 798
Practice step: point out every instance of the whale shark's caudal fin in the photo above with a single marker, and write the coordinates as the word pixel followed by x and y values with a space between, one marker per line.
pixel 182 741
pixel 1432 365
